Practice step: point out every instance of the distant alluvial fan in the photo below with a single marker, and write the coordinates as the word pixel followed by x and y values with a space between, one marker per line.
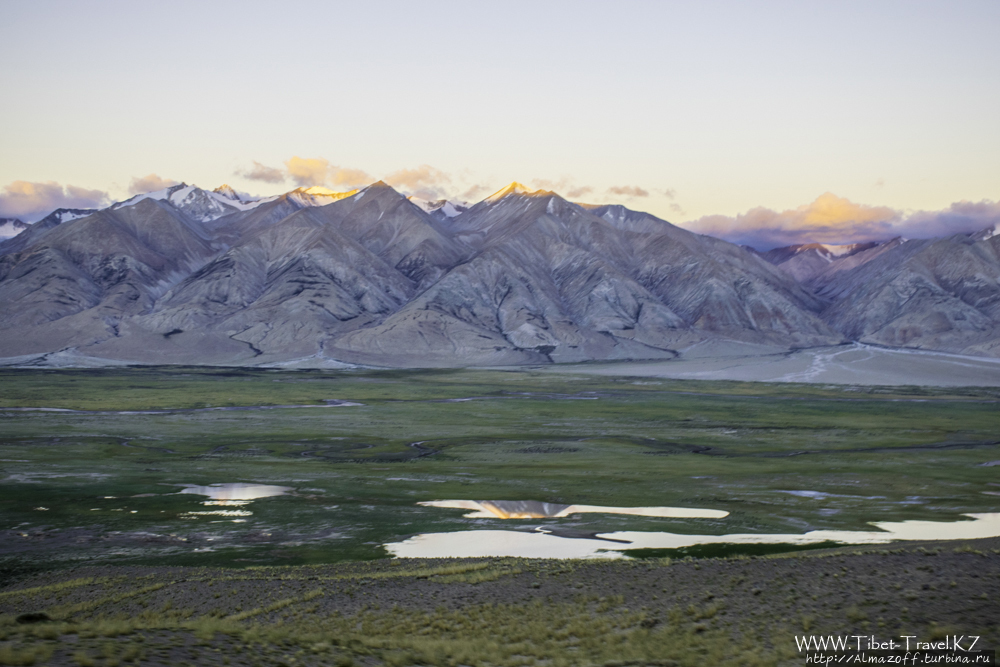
pixel 319 278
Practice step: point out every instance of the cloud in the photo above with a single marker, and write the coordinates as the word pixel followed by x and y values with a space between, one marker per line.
pixel 669 193
pixel 476 192
pixel 561 185
pixel 628 191
pixel 261 172
pixel 963 216
pixel 564 186
pixel 833 219
pixel 424 181
pixel 307 172
pixel 345 176
pixel 33 201
pixel 150 183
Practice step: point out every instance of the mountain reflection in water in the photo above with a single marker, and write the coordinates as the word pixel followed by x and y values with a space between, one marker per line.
pixel 235 494
pixel 534 509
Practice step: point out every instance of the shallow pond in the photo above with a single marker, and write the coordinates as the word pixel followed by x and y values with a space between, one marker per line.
pixel 542 543
pixel 235 495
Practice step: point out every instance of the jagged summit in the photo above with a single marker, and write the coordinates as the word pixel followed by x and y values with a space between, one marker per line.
pixel 195 203
pixel 441 209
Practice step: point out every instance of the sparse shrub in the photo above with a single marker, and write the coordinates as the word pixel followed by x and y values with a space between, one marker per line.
pixel 855 615
pixel 30 655
pixel 83 659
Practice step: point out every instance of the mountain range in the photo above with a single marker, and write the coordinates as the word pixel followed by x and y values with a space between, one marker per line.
pixel 318 278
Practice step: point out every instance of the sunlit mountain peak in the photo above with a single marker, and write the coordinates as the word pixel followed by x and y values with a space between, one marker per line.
pixel 226 191
pixel 514 188
pixel 317 195
pixel 320 190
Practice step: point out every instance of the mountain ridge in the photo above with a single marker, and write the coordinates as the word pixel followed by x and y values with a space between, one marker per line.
pixel 372 277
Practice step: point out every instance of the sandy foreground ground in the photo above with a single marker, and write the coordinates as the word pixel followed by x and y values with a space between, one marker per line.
pixel 504 612
pixel 843 364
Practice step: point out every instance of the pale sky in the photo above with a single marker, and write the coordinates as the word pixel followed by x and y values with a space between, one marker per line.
pixel 708 107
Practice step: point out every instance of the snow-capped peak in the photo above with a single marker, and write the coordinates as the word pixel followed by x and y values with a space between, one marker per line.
pixel 175 194
pixel 201 205
pixel 10 227
pixel 837 250
pixel 227 191
pixel 453 209
pixel 829 251
pixel 448 209
pixel 159 195
pixel 68 214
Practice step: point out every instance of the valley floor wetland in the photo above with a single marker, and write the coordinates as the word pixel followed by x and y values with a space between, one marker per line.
pixel 172 516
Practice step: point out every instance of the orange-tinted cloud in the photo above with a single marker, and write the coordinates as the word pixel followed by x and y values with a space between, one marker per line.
pixel 261 172
pixel 150 183
pixel 348 177
pixel 628 191
pixel 424 181
pixel 33 201
pixel 307 172
pixel 833 219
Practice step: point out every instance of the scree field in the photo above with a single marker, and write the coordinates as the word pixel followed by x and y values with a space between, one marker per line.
pixel 105 561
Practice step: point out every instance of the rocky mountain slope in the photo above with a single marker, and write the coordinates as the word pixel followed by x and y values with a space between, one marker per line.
pixel 551 280
pixel 186 275
pixel 937 294
pixel 933 294
pixel 27 234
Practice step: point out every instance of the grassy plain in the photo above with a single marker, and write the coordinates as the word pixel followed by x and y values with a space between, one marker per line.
pixel 108 474
pixel 94 483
